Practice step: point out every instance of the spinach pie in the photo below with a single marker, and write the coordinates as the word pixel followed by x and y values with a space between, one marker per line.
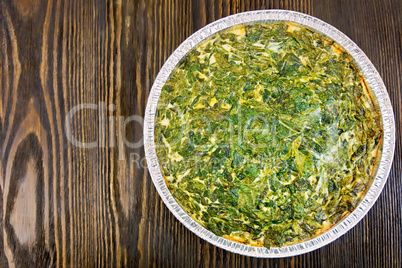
pixel 267 134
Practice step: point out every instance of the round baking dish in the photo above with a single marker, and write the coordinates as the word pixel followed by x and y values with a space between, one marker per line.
pixel 371 77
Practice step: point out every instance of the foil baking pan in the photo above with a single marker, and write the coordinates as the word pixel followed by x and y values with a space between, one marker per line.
pixel 374 82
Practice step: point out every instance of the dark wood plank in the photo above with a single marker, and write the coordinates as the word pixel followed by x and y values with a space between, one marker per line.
pixel 64 205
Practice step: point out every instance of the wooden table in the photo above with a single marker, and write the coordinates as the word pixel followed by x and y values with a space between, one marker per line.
pixel 91 64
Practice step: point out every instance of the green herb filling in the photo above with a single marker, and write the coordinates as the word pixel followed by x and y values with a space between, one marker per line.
pixel 267 134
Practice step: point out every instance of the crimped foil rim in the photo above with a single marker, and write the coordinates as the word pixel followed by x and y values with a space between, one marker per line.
pixel 373 80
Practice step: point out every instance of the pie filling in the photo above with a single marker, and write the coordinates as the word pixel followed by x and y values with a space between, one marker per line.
pixel 267 134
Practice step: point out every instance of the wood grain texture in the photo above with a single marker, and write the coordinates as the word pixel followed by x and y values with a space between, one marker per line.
pixel 67 206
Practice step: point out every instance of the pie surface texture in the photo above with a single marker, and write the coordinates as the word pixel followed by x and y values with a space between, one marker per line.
pixel 267 134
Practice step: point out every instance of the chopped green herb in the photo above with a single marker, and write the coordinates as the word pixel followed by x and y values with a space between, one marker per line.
pixel 267 134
